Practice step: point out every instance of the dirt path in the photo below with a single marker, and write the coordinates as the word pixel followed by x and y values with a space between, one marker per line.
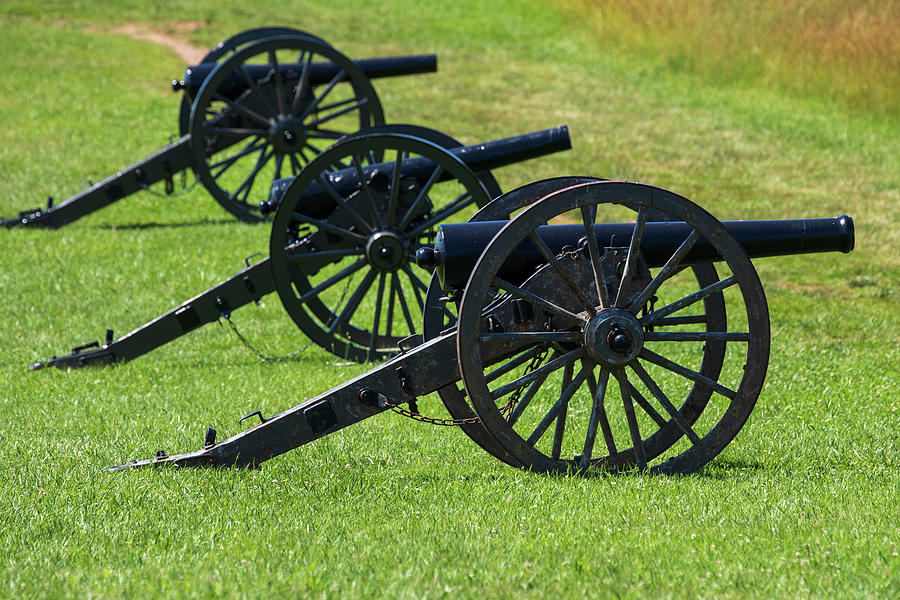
pixel 169 35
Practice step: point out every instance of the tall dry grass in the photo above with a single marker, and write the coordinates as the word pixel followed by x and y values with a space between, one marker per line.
pixel 842 50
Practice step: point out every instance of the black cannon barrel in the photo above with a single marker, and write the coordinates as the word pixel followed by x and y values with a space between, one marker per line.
pixel 478 157
pixel 458 246
pixel 320 73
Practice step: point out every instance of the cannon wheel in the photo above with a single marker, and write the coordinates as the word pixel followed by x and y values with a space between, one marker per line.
pixel 309 278
pixel 438 318
pixel 227 48
pixel 281 125
pixel 568 394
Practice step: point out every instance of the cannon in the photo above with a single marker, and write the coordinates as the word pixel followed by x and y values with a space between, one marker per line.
pixel 260 106
pixel 348 215
pixel 603 309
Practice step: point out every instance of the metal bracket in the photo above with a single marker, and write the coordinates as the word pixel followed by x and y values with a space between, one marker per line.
pixel 255 413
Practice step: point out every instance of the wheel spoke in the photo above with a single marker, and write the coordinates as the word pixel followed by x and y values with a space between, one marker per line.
pixel 694 376
pixel 414 281
pixel 457 205
pixel 404 306
pixel 556 449
pixel 554 411
pixel 418 283
pixel 588 216
pixel 300 90
pixel 685 320
pixel 515 362
pixel 640 455
pixel 377 320
pixel 560 272
pixel 633 248
pixel 665 402
pixel 666 272
pixel 353 302
pixel 336 114
pixel 342 203
pixel 647 407
pixel 312 105
pixel 390 313
pixel 525 295
pixel 325 134
pixel 651 318
pixel 250 148
pixel 696 336
pixel 366 192
pixel 342 274
pixel 319 255
pixel 598 416
pixel 546 369
pixel 295 164
pixel 278 162
pixel 235 131
pixel 526 399
pixel 247 185
pixel 279 82
pixel 256 90
pixel 423 194
pixel 395 188
pixel 531 337
pixel 330 227
pixel 242 109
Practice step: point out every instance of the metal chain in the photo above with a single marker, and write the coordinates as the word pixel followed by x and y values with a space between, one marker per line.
pixel 286 357
pixel 505 410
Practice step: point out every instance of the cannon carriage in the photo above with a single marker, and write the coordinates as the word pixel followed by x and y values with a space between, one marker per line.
pixel 608 326
pixel 257 108
pixel 344 236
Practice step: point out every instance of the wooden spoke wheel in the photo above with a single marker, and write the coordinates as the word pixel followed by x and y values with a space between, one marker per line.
pixel 267 110
pixel 228 47
pixel 625 350
pixel 440 316
pixel 346 233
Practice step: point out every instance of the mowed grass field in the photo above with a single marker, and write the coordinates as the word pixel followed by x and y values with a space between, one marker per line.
pixel 803 504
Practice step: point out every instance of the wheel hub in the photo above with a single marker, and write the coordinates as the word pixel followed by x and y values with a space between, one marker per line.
pixel 287 136
pixel 613 337
pixel 386 250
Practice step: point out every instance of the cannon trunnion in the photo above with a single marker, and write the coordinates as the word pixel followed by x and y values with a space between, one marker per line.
pixel 593 356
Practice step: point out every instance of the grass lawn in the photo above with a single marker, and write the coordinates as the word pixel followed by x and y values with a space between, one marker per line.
pixel 802 504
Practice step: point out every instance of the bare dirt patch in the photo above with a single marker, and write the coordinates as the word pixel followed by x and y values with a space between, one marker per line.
pixel 170 35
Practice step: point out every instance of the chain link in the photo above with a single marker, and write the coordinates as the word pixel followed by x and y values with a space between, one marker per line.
pixel 285 357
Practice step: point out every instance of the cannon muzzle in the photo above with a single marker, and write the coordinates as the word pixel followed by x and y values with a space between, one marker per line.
pixel 458 246
pixel 478 157
pixel 320 73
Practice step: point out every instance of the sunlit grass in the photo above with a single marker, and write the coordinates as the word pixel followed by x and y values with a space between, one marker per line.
pixel 847 52
pixel 800 504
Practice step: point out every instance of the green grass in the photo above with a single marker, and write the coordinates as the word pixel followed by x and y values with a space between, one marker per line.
pixel 803 503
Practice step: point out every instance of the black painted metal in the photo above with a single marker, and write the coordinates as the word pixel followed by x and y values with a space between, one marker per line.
pixel 459 245
pixel 157 167
pixel 485 336
pixel 248 285
pixel 478 347
pixel 320 73
pixel 256 281
pixel 189 153
pixel 478 157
